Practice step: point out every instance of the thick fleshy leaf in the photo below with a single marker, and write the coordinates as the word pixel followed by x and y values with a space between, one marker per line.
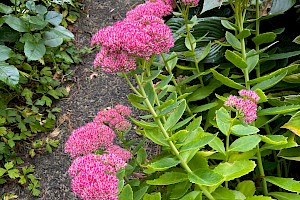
pixel 260 197
pixel 175 116
pixel 54 17
pixel 280 6
pixel 282 55
pixel 270 82
pixel 242 130
pixel 9 74
pixel 198 143
pixel 274 139
pixel 163 164
pixel 210 4
pixel 223 120
pixel 180 189
pixel 285 183
pixel 190 43
pixel 63 32
pixel 191 195
pixel 34 50
pixel 290 153
pixel 233 41
pixel 155 196
pixel 222 193
pixel 245 143
pixel 264 38
pixel 138 195
pixel 156 136
pixel 236 169
pixel 217 145
pixel 285 196
pixel 51 39
pixel 247 188
pixel 235 59
pixel 206 177
pixel 278 110
pixel 227 81
pixel 127 193
pixel 169 178
pixel 293 124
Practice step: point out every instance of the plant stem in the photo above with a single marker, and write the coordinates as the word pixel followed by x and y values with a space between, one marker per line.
pixel 175 83
pixel 261 170
pixel 130 84
pixel 166 135
pixel 257 25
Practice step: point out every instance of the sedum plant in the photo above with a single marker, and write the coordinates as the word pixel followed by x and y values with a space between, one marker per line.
pixel 223 114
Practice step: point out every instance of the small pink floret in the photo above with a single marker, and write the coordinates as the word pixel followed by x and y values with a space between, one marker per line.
pixel 121 153
pixel 190 2
pixel 249 94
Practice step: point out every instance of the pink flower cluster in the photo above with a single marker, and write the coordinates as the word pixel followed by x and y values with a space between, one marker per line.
pixel 246 106
pixel 190 2
pixel 115 117
pixel 141 34
pixel 94 176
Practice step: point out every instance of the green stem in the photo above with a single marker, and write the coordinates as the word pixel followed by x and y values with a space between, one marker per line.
pixel 261 170
pixel 175 83
pixel 130 84
pixel 257 24
pixel 166 135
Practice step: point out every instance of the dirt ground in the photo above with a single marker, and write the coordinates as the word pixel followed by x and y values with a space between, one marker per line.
pixel 91 91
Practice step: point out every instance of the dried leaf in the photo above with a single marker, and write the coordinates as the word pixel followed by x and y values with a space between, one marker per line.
pixel 93 75
pixel 54 133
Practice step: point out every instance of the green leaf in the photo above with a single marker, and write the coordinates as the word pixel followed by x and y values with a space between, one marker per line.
pixel 204 107
pixel 226 81
pixel 54 17
pixel 264 38
pixel 34 50
pixel 156 136
pixel 2 171
pixel 247 188
pixel 252 61
pixel 5 52
pixel 235 59
pixel 280 6
pixel 204 53
pixel 190 43
pixel 51 39
pixel 242 130
pixel 175 116
pixel 222 193
pixel 63 32
pixel 138 195
pixel 13 173
pixel 270 82
pixel 9 74
pixel 155 196
pixel 143 124
pixel 191 196
pixel 237 169
pixel 293 124
pixel 290 153
pixel 180 189
pixel 169 178
pixel 227 24
pixel 260 197
pixel 274 139
pixel 163 164
pixel 126 193
pixel 173 61
pixel 5 9
pixel 285 183
pixel 282 55
pixel 210 4
pixel 244 34
pixel 285 196
pixel 40 9
pixel 205 91
pixel 245 143
pixel 223 120
pixel 278 110
pixel 233 41
pixel 17 24
pixel 297 39
pixel 197 143
pixel 218 145
pixel 205 177
pixel 182 123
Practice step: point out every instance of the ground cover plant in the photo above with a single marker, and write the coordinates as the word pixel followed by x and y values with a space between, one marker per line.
pixel 35 57
pixel 221 97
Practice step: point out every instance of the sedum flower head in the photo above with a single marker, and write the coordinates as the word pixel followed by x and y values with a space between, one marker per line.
pixel 94 176
pixel 121 153
pixel 156 8
pixel 190 2
pixel 89 138
pixel 246 106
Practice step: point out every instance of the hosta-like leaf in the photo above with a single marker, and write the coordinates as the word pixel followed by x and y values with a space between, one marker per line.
pixel 236 169
pixel 293 124
pixel 210 4
pixel 206 177
pixel 245 143
pixel 280 6
pixel 285 183
pixel 169 178
pixel 9 74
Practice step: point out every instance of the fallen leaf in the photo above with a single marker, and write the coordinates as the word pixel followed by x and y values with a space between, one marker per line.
pixel 54 133
pixel 93 75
